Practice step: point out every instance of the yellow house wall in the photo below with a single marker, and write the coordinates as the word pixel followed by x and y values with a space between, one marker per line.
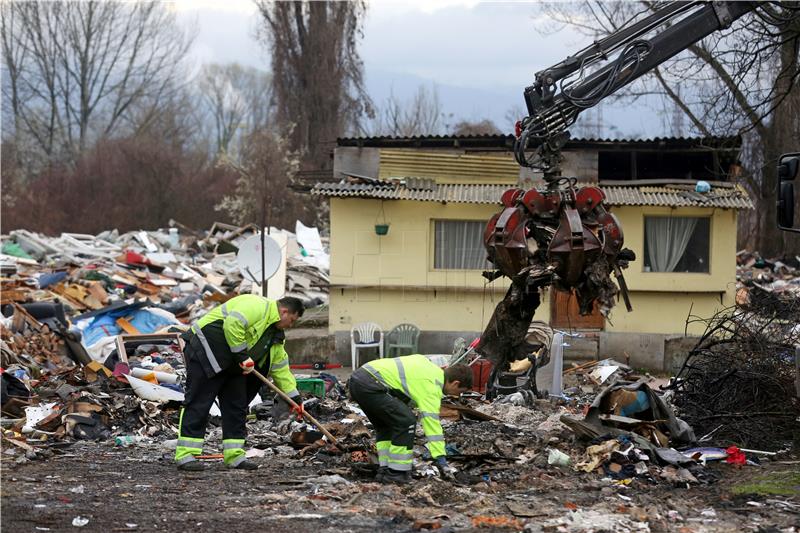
pixel 662 301
pixel 402 258
pixel 722 254
pixel 430 310
pixel 390 279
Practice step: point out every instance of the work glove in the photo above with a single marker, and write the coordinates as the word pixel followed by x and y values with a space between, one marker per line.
pixel 298 410
pixel 248 365
pixel 447 472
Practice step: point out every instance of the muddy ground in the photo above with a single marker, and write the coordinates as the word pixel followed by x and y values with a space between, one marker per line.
pixel 138 488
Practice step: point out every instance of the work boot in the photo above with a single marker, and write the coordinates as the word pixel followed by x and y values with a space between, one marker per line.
pixel 396 476
pixel 192 466
pixel 247 464
pixel 381 473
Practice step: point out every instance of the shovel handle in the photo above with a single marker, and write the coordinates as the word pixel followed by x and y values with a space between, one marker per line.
pixel 292 403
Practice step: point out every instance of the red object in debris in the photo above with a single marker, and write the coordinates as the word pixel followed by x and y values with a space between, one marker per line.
pixel 480 375
pixel 735 456
pixel 133 258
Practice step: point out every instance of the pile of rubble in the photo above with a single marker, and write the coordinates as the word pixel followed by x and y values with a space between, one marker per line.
pixel 186 269
pixel 772 285
pixel 90 325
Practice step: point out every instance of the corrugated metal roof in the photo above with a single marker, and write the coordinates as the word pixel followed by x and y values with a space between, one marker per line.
pixel 730 198
pixel 507 141
pixel 451 193
pixel 448 165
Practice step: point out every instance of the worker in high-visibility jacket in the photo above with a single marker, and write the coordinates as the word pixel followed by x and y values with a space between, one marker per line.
pixel 384 388
pixel 222 349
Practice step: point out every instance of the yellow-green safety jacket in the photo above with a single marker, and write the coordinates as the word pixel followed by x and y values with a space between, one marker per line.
pixel 245 319
pixel 421 381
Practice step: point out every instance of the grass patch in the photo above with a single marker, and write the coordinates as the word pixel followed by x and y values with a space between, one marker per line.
pixel 786 483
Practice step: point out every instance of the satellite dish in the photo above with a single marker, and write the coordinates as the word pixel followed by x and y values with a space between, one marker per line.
pixel 249 257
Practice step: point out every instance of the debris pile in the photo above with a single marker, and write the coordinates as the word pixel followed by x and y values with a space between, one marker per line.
pixel 768 286
pixel 185 272
pixel 738 384
pixel 90 325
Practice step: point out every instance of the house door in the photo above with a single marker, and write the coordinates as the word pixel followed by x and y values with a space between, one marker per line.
pixel 564 313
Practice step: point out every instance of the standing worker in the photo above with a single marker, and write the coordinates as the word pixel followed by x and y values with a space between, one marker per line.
pixel 222 348
pixel 384 388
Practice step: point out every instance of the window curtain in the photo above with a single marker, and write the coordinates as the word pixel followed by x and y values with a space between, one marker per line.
pixel 459 245
pixel 667 239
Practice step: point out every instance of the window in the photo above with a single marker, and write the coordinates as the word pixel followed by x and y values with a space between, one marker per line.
pixel 458 245
pixel 658 164
pixel 676 244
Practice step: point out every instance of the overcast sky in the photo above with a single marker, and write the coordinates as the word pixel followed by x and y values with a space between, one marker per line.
pixel 480 56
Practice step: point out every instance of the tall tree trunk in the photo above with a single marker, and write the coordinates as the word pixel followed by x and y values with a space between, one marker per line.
pixel 781 137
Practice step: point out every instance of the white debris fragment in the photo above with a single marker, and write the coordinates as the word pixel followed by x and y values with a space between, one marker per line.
pixel 79 521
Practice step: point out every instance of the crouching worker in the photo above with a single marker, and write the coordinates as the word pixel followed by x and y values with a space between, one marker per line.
pixel 384 388
pixel 222 348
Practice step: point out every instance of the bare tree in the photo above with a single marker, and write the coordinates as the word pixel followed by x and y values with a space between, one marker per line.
pixel 422 114
pixel 481 127
pixel 740 80
pixel 174 119
pixel 238 100
pixel 73 70
pixel 317 72
pixel 265 168
pixel 514 114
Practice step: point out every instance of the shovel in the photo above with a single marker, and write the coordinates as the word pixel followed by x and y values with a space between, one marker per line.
pixel 293 404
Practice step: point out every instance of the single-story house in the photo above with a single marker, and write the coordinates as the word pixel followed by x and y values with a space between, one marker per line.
pixel 436 194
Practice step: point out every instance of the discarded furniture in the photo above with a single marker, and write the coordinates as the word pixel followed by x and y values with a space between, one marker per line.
pixel 366 332
pixel 402 340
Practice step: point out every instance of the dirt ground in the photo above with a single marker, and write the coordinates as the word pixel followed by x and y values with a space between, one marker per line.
pixel 138 488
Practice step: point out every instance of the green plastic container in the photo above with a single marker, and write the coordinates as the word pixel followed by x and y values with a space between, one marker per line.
pixel 315 386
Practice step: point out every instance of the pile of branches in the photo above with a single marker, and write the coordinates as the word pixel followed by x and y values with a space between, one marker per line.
pixel 737 385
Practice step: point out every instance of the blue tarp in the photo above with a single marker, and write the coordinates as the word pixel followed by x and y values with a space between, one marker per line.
pixel 105 324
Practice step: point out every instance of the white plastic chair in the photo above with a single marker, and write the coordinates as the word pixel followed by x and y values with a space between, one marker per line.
pixel 366 339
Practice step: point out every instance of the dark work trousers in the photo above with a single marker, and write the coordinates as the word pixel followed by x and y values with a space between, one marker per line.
pixel 392 419
pixel 230 386
pixel 253 386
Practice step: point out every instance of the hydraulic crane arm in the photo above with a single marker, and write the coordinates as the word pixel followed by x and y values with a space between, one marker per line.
pixel 564 235
pixel 555 99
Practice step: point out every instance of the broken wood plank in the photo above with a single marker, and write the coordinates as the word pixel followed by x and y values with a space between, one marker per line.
pixel 578 368
pixel 127 327
pixel 468 411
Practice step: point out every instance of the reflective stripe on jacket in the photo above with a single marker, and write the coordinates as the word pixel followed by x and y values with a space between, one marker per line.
pixel 244 319
pixel 421 381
